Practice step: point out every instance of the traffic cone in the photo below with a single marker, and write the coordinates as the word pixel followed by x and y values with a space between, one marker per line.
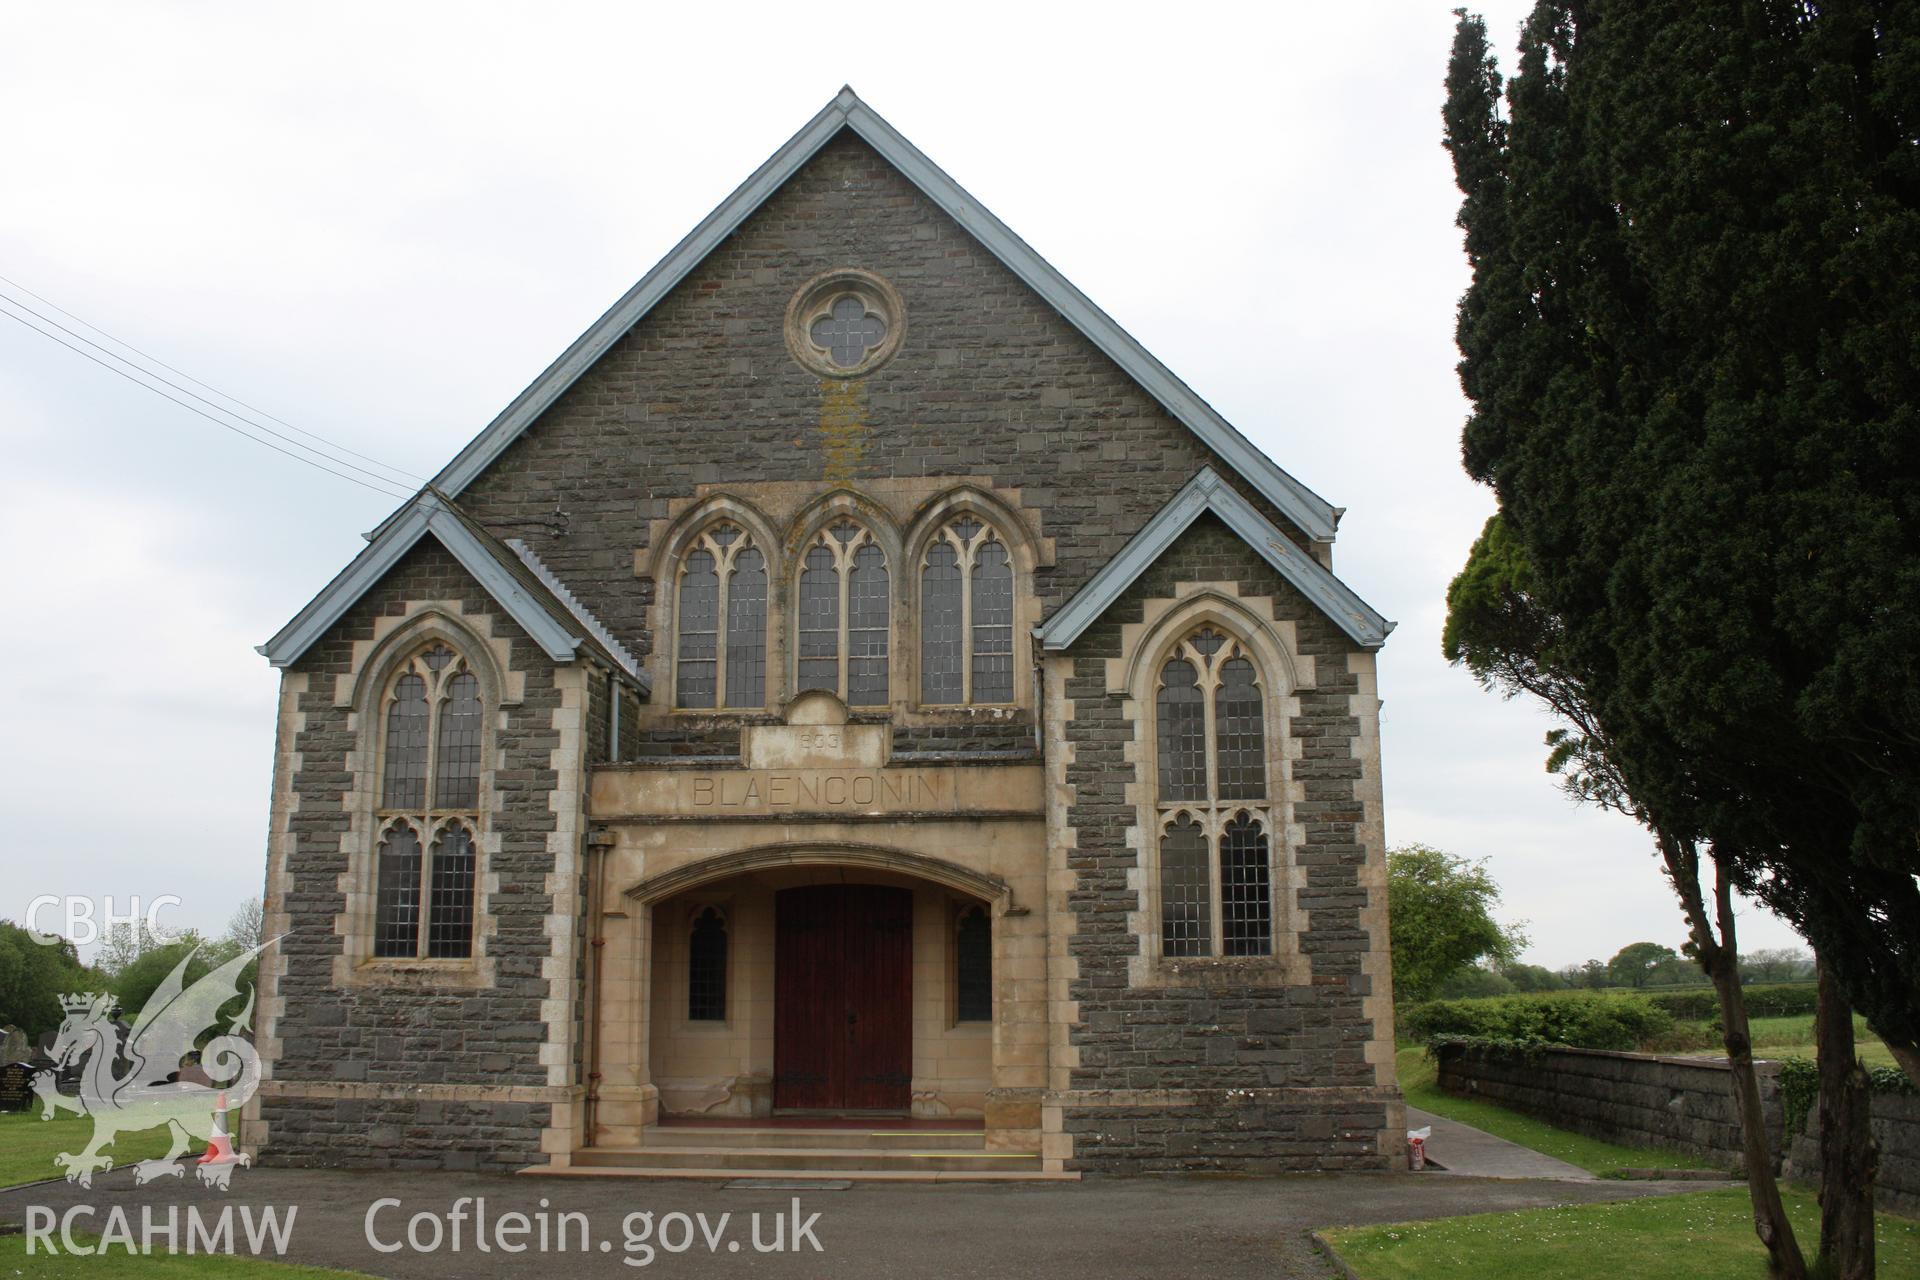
pixel 219 1145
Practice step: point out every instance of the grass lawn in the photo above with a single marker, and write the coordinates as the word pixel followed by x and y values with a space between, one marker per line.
pixel 1416 1071
pixel 1707 1235
pixel 28 1144
pixel 1793 1038
pixel 118 1265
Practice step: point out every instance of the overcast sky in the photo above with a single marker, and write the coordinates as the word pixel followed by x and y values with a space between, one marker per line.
pixel 381 222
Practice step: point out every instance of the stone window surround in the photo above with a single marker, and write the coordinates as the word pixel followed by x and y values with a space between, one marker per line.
pixel 362 690
pixel 814 300
pixel 1282 669
pixel 785 551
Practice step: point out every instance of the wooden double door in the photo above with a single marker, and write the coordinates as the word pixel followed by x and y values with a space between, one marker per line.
pixel 843 998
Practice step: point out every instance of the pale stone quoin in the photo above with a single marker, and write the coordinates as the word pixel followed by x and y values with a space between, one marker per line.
pixel 941 750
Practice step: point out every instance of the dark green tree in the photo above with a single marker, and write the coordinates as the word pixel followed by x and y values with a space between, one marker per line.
pixel 33 977
pixel 1691 347
pixel 1690 344
pixel 1635 964
pixel 1441 913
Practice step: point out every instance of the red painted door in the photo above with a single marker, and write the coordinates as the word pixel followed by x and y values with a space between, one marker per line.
pixel 843 998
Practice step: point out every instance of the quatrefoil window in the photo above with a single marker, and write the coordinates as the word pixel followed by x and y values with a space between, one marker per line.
pixel 849 332
pixel 845 324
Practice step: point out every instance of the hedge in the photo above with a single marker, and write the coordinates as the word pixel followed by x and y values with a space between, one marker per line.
pixel 1776 1000
pixel 1581 1019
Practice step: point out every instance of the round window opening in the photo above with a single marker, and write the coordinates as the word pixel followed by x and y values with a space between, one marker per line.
pixel 845 323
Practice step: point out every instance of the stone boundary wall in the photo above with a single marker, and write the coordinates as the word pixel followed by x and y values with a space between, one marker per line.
pixel 1896 1127
pixel 1637 1099
pixel 1677 1104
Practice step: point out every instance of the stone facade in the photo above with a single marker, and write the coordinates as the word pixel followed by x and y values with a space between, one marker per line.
pixel 608 814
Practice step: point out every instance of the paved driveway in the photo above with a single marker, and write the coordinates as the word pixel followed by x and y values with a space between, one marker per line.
pixel 1145 1227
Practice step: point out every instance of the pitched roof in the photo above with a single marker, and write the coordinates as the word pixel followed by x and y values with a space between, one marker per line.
pixel 1313 514
pixel 514 577
pixel 1208 492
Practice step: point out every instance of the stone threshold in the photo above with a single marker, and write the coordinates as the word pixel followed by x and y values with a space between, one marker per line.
pixel 802 1175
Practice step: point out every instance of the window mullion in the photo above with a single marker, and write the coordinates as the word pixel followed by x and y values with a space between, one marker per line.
pixel 721 565
pixel 1217 898
pixel 966 628
pixel 844 578
pixel 430 802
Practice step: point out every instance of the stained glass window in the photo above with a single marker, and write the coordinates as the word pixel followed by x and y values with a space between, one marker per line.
pixel 747 630
pixel 1216 868
pixel 1246 902
pixel 1239 728
pixel 1183 733
pixel 396 924
pixel 707 968
pixel 450 904
pixel 848 331
pixel 992 624
pixel 405 785
pixel 966 617
pixel 698 618
pixel 941 643
pixel 973 966
pixel 845 616
pixel 721 622
pixel 457 768
pixel 820 621
pixel 1184 926
pixel 435 727
pixel 867 623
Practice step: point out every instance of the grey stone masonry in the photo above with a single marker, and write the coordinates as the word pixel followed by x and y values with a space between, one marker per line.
pixel 1221 1033
pixel 1637 1099
pixel 989 382
pixel 416 1033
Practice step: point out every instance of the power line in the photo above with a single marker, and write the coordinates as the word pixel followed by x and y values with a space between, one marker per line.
pixel 220 408
pixel 312 435
pixel 380 489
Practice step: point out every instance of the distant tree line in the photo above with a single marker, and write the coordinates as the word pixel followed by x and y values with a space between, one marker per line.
pixel 131 963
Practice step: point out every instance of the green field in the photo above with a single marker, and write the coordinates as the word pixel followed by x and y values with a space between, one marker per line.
pixel 28 1145
pixel 1416 1071
pixel 1706 1235
pixel 1793 1038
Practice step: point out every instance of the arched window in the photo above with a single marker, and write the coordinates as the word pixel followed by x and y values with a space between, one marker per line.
pixel 1216 863
pixel 973 966
pixel 426 865
pixel 721 616
pixel 844 616
pixel 707 968
pixel 966 616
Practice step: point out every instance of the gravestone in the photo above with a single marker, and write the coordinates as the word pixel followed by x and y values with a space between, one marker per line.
pixel 14 1045
pixel 16 1087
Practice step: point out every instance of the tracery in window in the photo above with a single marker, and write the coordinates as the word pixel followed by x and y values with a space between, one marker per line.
pixel 844 617
pixel 723 577
pixel 425 863
pixel 966 616
pixel 1216 877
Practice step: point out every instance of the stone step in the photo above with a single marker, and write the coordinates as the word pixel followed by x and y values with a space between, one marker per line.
pixel 803 1175
pixel 878 1138
pixel 816 1159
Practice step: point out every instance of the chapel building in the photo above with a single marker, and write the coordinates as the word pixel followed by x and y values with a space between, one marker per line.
pixel 857 710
